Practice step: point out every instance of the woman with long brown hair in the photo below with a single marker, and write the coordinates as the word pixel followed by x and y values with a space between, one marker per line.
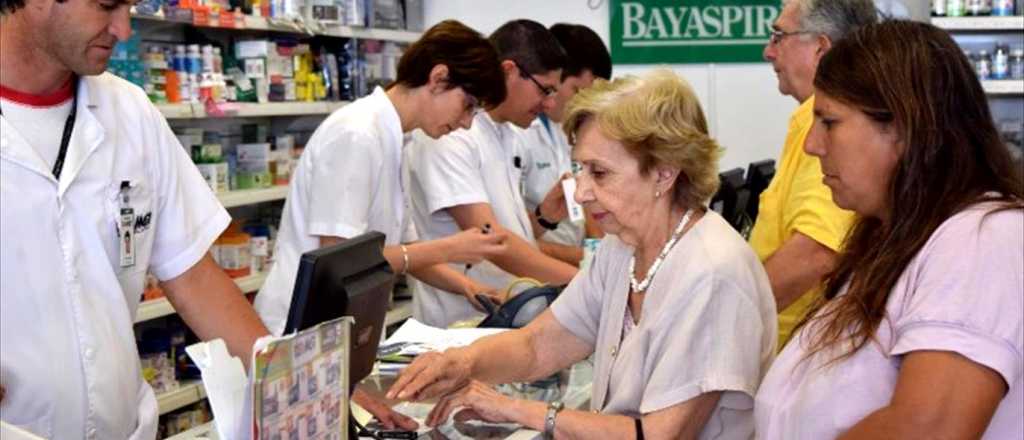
pixel 919 333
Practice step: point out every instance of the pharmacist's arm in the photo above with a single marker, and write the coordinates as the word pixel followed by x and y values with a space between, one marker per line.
pixel 452 281
pixel 519 257
pixel 470 246
pixel 796 267
pixel 213 307
pixel 567 254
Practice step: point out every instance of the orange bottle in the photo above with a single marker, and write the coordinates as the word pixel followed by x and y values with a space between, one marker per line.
pixel 232 252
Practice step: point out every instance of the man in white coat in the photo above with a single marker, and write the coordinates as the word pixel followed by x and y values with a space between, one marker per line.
pixel 472 177
pixel 546 151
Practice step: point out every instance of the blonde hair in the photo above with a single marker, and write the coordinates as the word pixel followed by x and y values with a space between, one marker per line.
pixel 658 118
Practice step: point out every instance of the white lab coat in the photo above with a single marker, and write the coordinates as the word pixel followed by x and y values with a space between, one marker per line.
pixel 69 361
pixel 348 182
pixel 462 168
pixel 546 157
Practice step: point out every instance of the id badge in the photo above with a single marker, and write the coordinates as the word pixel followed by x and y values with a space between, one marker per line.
pixel 126 230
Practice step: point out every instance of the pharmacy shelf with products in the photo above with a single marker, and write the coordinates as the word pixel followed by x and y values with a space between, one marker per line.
pixel 243 84
pixel 991 33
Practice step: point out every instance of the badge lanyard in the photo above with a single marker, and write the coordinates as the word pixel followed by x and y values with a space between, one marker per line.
pixel 69 127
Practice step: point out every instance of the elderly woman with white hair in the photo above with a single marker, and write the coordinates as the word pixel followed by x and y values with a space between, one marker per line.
pixel 675 308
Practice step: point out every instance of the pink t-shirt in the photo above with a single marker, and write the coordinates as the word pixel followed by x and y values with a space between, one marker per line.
pixel 964 292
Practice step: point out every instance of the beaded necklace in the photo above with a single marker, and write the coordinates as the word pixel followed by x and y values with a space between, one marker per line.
pixel 641 286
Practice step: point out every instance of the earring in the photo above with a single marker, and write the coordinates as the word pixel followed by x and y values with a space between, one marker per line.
pixel 657 194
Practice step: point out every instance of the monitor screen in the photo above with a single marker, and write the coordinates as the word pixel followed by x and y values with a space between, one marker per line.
pixel 347 279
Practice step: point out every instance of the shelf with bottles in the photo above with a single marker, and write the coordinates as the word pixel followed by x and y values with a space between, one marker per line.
pixel 295 26
pixel 196 75
pixel 980 15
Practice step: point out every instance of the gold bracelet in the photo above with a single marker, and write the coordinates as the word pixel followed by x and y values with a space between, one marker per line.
pixel 405 260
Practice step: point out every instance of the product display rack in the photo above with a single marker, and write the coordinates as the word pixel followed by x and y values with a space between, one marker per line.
pixel 297 27
pixel 980 24
pixel 192 391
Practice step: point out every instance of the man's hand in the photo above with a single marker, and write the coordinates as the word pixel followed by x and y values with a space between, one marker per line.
pixel 553 207
pixel 388 418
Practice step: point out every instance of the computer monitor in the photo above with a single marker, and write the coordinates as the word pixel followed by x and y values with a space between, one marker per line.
pixel 727 200
pixel 759 176
pixel 347 279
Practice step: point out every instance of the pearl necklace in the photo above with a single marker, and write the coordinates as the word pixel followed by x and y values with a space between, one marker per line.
pixel 641 286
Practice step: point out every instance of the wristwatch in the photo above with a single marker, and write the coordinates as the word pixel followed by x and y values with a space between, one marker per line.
pixel 540 219
pixel 549 419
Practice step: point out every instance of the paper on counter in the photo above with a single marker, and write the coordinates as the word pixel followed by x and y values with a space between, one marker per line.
pixel 419 338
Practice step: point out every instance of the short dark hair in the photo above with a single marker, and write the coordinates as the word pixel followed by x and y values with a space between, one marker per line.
pixel 585 51
pixel 530 45
pixel 472 62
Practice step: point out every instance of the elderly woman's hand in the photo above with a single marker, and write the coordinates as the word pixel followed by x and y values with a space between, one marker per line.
pixel 481 402
pixel 431 375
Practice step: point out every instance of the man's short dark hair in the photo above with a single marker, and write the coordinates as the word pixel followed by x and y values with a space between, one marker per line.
pixel 530 45
pixel 585 51
pixel 472 62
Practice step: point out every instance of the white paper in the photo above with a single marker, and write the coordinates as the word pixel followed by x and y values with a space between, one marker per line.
pixel 575 210
pixel 420 338
pixel 227 388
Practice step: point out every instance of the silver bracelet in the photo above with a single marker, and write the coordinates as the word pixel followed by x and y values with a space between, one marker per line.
pixel 405 260
pixel 549 419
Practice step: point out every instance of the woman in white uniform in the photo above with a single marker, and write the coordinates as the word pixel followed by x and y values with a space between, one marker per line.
pixel 348 180
pixel 679 351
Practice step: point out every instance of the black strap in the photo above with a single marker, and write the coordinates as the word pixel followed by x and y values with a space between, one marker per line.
pixel 544 223
pixel 69 127
pixel 639 429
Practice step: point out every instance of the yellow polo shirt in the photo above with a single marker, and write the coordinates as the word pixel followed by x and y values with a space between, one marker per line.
pixel 797 201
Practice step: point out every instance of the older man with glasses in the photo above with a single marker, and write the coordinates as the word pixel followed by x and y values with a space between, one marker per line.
pixel 798 229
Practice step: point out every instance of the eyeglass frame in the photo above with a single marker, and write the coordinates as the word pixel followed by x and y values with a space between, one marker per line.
pixel 546 91
pixel 777 35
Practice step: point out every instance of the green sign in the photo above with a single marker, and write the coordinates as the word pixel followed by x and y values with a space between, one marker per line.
pixel 695 31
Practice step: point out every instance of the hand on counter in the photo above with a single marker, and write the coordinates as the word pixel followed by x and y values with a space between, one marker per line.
pixel 431 375
pixel 389 418
pixel 480 402
pixel 473 245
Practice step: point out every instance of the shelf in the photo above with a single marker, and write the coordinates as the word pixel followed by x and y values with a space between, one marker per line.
pixel 188 393
pixel 1003 86
pixel 250 109
pixel 401 311
pixel 1012 23
pixel 204 431
pixel 300 27
pixel 156 308
pixel 243 197
pixel 175 111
